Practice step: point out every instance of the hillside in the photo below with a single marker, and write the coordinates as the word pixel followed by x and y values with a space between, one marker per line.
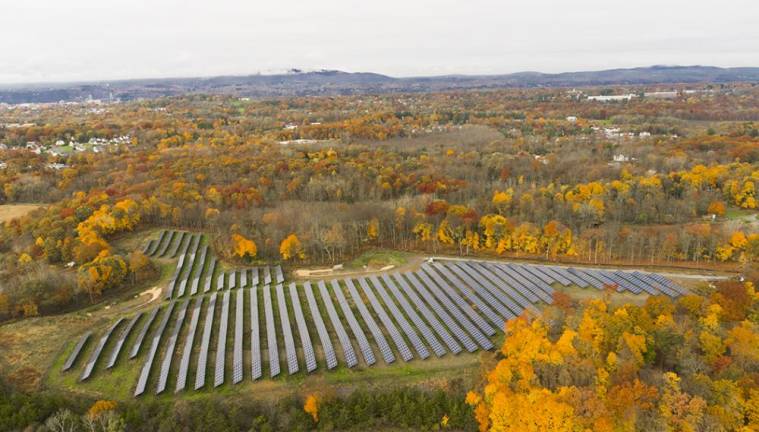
pixel 333 82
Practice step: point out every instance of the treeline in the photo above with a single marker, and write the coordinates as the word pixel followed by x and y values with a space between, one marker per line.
pixel 403 408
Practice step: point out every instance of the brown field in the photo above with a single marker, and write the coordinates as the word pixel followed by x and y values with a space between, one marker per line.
pixel 9 212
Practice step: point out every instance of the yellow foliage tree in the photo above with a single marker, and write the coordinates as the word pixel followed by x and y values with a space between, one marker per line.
pixel 291 248
pixel 244 247
pixel 311 406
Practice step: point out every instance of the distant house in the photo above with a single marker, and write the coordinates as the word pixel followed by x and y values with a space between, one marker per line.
pixel 621 158
pixel 612 98
pixel 572 119
pixel 60 143
pixel 3 165
pixel 661 95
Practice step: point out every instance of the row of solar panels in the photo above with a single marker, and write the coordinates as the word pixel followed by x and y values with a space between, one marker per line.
pixel 444 307
pixel 195 264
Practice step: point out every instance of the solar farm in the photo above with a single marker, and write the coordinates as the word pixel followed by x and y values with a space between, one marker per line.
pixel 216 327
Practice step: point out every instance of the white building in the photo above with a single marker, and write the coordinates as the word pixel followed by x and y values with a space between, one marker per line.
pixel 612 98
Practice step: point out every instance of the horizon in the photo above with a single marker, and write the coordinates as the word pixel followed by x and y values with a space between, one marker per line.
pixel 84 41
pixel 296 71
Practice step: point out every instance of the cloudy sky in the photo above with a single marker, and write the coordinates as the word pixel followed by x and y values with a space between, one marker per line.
pixel 57 40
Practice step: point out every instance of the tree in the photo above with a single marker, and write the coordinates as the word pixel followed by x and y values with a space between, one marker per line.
pixel 311 406
pixel 244 247
pixel 716 208
pixel 291 248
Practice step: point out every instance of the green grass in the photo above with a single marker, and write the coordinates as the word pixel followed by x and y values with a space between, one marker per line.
pixel 738 213
pixel 378 258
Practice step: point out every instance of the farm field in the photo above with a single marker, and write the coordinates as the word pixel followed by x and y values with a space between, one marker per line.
pixel 13 211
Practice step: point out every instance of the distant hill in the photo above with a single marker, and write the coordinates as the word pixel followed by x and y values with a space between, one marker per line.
pixel 332 82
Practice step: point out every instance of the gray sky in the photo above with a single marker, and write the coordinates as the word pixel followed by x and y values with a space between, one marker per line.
pixel 66 40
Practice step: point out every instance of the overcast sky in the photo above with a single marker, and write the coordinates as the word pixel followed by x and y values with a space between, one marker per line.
pixel 69 40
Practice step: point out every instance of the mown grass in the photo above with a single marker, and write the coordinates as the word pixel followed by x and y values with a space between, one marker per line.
pixel 378 258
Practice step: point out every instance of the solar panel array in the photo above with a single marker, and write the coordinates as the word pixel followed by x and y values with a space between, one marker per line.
pixel 284 317
pixel 237 356
pixel 184 363
pixel 205 343
pixel 305 337
pixel 271 333
pixel 447 306
pixel 120 341
pixel 98 349
pixel 75 353
pixel 142 381
pixel 221 342
pixel 169 354
pixel 342 336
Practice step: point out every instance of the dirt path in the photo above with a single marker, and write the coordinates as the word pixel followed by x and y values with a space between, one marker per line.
pixel 9 212
pixel 412 263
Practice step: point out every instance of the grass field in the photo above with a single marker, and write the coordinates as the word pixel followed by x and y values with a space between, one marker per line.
pixel 9 212
pixel 378 258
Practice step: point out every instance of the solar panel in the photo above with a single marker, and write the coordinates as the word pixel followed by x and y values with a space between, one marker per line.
pixel 469 293
pixel 284 318
pixel 209 275
pixel 221 343
pixel 189 257
pixel 279 277
pixel 623 283
pixel 416 342
pixel 163 378
pixel 184 363
pixel 640 285
pixel 199 272
pixel 155 243
pixel 141 336
pixel 379 338
pixel 232 277
pixel 424 329
pixel 148 246
pixel 482 289
pixel 348 352
pixel 90 366
pixel 169 238
pixel 432 279
pixel 513 300
pixel 358 332
pixel 586 277
pixel 440 329
pixel 321 329
pixel 179 268
pixel 667 282
pixel 555 275
pixel 182 239
pixel 75 353
pixel 392 330
pixel 528 282
pixel 305 338
pixel 536 272
pixel 517 281
pixel 464 318
pixel 267 275
pixel 202 366
pixel 271 333
pixel 142 381
pixel 254 276
pixel 571 276
pixel 243 278
pixel 656 284
pixel 220 281
pixel 237 373
pixel 120 341
pixel 601 276
pixel 255 336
